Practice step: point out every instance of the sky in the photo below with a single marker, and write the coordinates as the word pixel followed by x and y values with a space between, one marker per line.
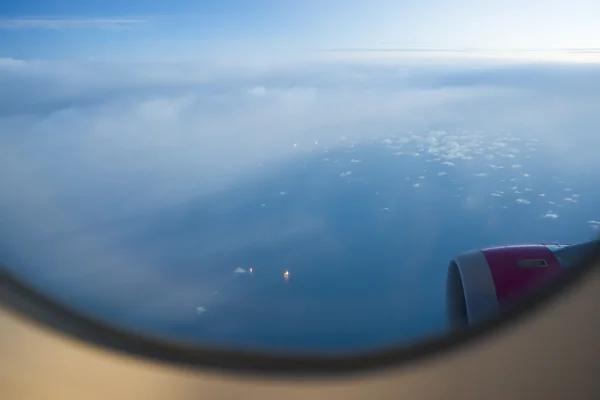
pixel 112 109
pixel 185 29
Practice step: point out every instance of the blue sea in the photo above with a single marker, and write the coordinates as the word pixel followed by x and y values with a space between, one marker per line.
pixel 364 230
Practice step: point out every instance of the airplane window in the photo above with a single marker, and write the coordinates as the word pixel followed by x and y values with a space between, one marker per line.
pixel 323 178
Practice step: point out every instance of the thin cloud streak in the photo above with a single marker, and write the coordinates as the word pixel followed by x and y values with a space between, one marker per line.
pixel 69 23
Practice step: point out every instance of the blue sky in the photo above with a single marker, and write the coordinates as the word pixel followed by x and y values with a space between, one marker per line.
pixel 198 29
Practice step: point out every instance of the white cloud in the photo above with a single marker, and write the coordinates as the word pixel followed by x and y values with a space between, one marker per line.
pixel 347 173
pixel 421 177
pixel 551 215
pixel 570 200
pixel 71 23
pixel 523 201
pixel 481 174
pixel 385 209
pixel 239 270
pixel 416 185
pixel 516 166
pixel 448 163
pixel 594 224
pixel 282 193
pixel 258 91
pixel 526 175
pixel 355 160
pixel 442 173
pixel 542 195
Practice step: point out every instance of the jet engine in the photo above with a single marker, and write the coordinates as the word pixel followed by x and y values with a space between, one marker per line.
pixel 481 282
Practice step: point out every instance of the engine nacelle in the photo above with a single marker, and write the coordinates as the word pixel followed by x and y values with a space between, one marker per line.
pixel 480 282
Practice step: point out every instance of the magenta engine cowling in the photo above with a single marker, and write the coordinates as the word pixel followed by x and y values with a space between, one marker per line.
pixel 479 282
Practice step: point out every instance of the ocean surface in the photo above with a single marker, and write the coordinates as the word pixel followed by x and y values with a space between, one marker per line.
pixel 365 231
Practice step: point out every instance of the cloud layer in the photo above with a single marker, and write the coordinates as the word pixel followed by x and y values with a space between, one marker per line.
pixel 161 132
